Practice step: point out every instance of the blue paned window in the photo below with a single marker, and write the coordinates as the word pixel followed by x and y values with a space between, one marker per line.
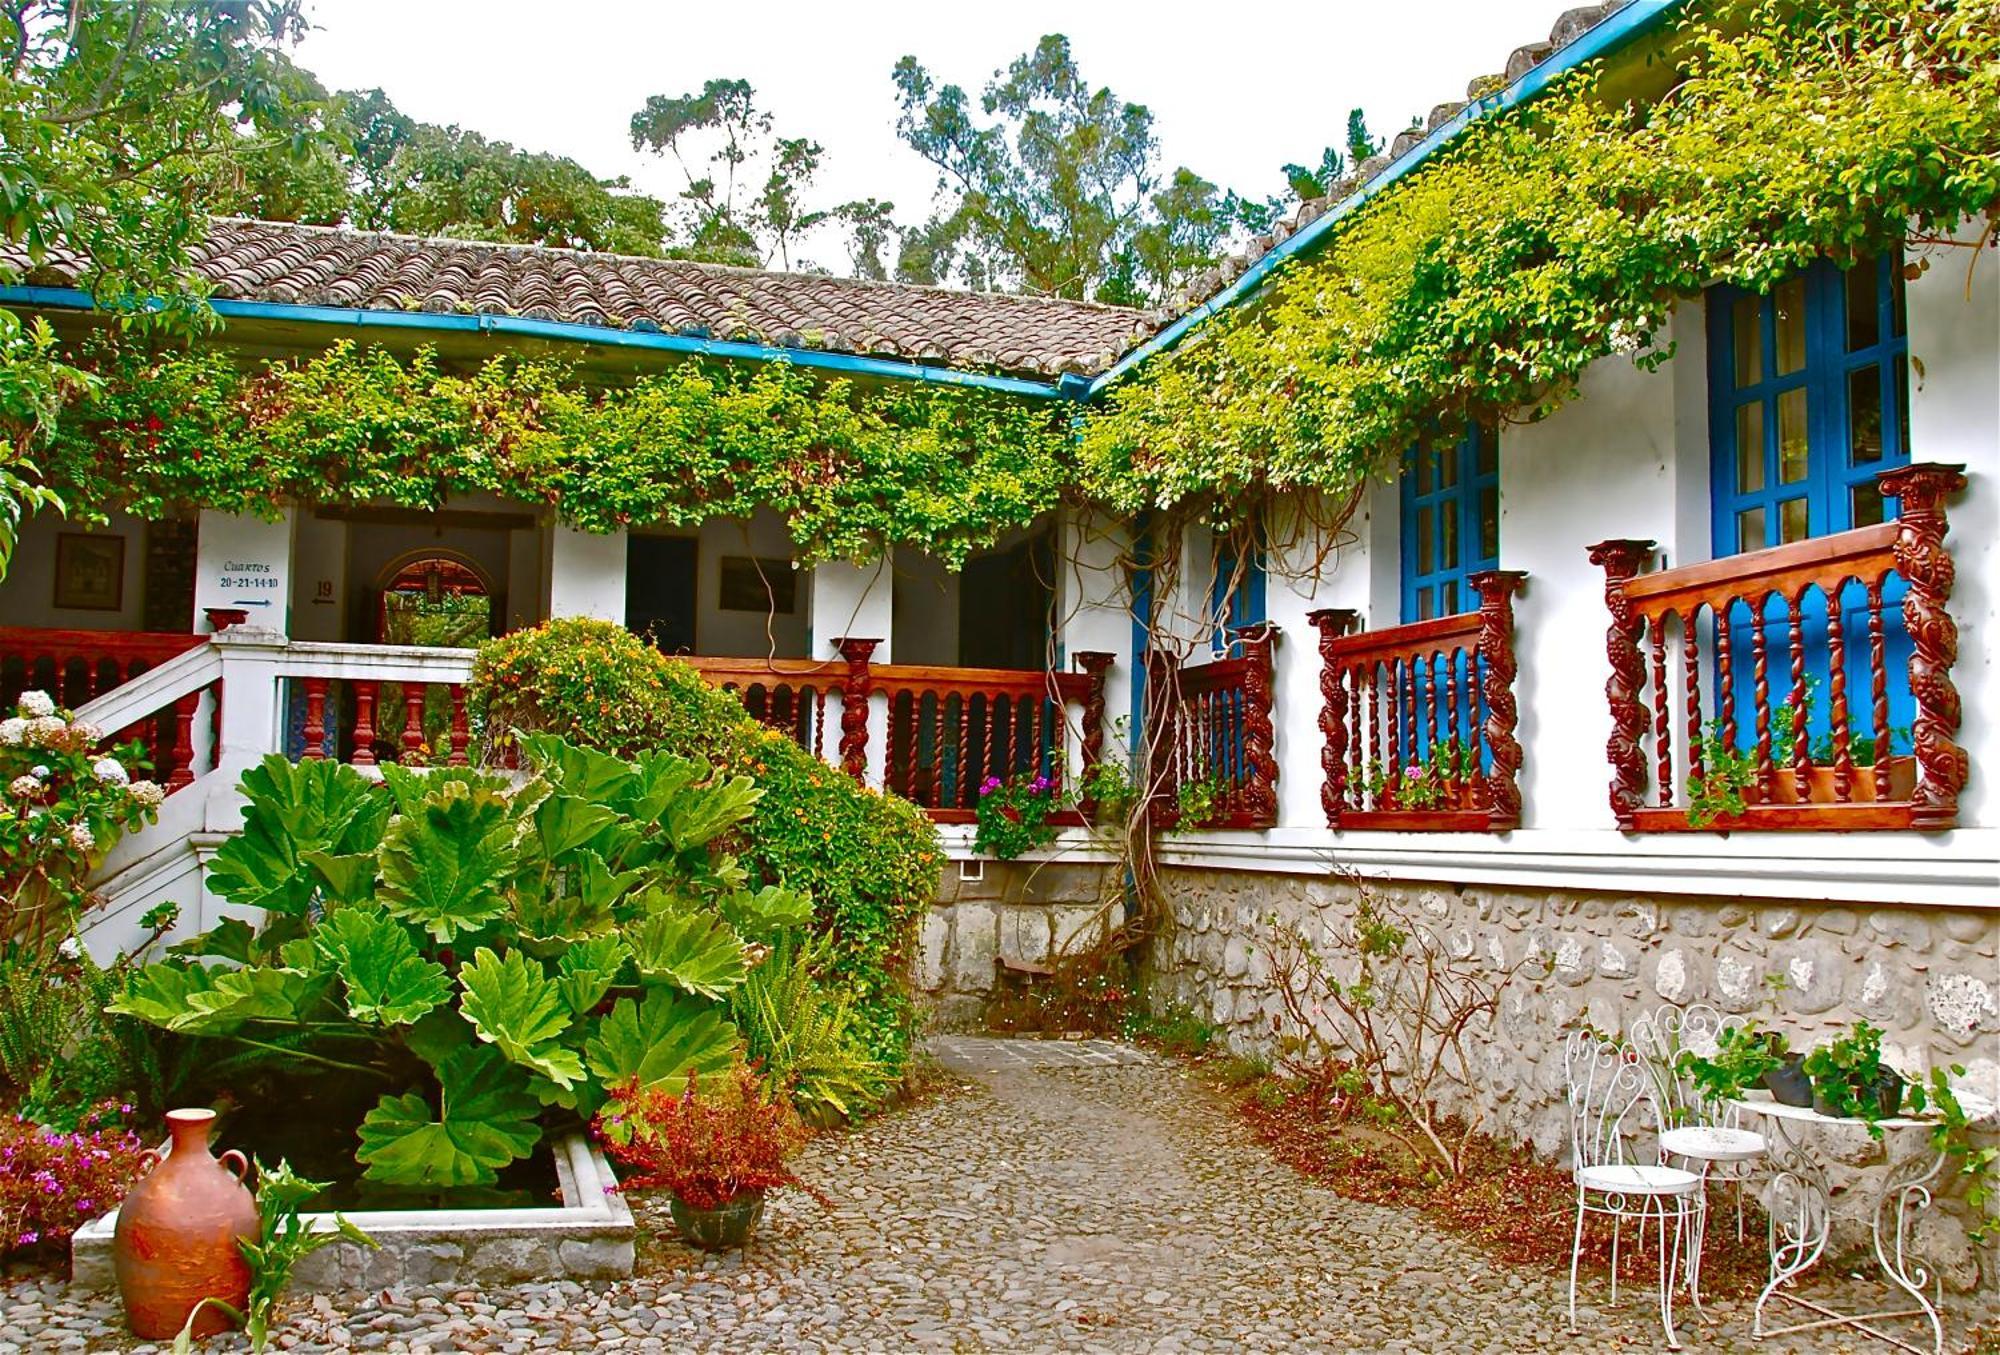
pixel 1241 606
pixel 1808 403
pixel 1451 520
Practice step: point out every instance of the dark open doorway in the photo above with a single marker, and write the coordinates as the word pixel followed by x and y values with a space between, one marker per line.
pixel 660 590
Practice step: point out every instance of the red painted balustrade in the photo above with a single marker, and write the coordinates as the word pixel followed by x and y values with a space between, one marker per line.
pixel 1209 724
pixel 77 666
pixel 1773 671
pixel 1417 722
pixel 366 721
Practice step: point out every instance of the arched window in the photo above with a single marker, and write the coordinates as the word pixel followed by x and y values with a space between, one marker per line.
pixel 434 599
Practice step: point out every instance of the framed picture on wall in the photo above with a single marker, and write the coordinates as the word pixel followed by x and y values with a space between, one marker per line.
pixel 90 572
pixel 758 585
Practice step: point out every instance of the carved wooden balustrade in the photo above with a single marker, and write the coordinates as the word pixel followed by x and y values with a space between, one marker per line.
pixel 370 704
pixel 1211 723
pixel 1417 722
pixel 952 729
pixel 77 666
pixel 1717 671
pixel 788 695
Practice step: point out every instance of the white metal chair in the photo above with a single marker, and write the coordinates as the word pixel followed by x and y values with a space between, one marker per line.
pixel 1706 1136
pixel 1614 1108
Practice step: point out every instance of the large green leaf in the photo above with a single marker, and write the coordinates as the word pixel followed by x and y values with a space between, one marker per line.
pixel 388 982
pixel 516 1007
pixel 444 866
pixel 234 939
pixel 216 1000
pixel 660 1039
pixel 409 787
pixel 700 814
pixel 159 994
pixel 294 809
pixel 346 878
pixel 694 951
pixel 566 822
pixel 582 772
pixel 762 915
pixel 662 778
pixel 485 1119
pixel 587 970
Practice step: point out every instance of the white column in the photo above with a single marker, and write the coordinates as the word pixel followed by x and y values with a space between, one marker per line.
pixel 586 574
pixel 243 562
pixel 857 601
pixel 252 721
pixel 1304 571
pixel 1954 327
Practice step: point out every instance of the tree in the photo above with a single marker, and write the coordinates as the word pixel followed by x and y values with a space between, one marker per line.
pixel 1317 181
pixel 379 169
pixel 1360 145
pixel 1062 194
pixel 118 127
pixel 722 141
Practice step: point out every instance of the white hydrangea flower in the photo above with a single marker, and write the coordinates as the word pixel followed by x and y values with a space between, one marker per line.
pixel 81 838
pixel 13 730
pixel 46 731
pixel 36 704
pixel 110 771
pixel 84 734
pixel 146 793
pixel 40 771
pixel 70 948
pixel 24 788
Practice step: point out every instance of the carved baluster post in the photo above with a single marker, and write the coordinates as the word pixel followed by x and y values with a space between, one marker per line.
pixel 413 720
pixel 364 724
pixel 1620 559
pixel 1496 589
pixel 315 730
pixel 855 694
pixel 180 761
pixel 460 735
pixel 1925 564
pixel 1162 738
pixel 1260 763
pixel 1332 623
pixel 1094 663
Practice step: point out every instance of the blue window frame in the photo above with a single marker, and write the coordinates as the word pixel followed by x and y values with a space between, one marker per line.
pixel 1808 403
pixel 1451 520
pixel 1243 607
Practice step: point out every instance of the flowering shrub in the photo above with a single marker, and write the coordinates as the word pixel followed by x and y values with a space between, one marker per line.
pixel 52 1183
pixel 1013 815
pixel 65 805
pixel 706 1149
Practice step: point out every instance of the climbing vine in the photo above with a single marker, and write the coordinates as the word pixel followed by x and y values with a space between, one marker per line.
pixel 1564 231
pixel 851 468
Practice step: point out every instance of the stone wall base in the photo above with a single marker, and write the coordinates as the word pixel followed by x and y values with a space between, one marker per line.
pixel 1024 911
pixel 1928 977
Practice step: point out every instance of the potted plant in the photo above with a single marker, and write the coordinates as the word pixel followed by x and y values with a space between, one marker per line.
pixel 1743 1059
pixel 1013 815
pixel 1787 1082
pixel 716 1152
pixel 1849 1078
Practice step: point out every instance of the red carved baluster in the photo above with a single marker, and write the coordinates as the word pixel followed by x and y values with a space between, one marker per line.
pixel 1332 623
pixel 819 723
pixel 854 697
pixel 460 735
pixel 1454 778
pixel 1496 589
pixel 1392 736
pixel 413 721
pixel 1663 741
pixel 315 730
pixel 1095 663
pixel 1691 688
pixel 1260 790
pixel 1878 664
pixel 364 724
pixel 1926 566
pixel 938 744
pixel 1621 560
pixel 1426 731
pixel 1836 696
pixel 1163 738
pixel 1375 698
pixel 1760 694
pixel 180 758
pixel 1725 672
pixel 1801 750
pixel 968 789
pixel 1352 681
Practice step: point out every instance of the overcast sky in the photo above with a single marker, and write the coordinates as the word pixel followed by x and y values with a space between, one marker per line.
pixel 1236 89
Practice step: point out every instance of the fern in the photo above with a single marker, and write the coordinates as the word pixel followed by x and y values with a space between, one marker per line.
pixel 802 1033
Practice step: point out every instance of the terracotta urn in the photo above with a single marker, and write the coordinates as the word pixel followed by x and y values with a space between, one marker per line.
pixel 175 1243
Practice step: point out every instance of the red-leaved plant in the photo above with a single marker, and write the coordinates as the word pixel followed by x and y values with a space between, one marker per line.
pixel 706 1146
pixel 53 1182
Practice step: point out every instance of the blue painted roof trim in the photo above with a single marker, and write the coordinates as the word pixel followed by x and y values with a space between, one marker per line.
pixel 1634 21
pixel 848 364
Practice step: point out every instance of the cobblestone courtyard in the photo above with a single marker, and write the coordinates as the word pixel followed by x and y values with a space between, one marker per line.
pixel 1056 1197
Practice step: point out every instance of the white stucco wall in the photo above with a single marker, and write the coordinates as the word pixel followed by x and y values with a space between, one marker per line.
pixel 243 561
pixel 584 573
pixel 27 594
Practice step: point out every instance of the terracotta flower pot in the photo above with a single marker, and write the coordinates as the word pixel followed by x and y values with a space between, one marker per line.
pixel 724 1228
pixel 175 1243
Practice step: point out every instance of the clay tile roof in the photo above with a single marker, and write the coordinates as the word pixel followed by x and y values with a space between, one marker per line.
pixel 328 266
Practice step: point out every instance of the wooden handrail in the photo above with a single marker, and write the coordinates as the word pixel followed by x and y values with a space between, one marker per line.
pixel 1675 633
pixel 1213 722
pixel 1417 722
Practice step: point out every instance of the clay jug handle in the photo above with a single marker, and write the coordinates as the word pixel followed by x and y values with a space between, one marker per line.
pixel 239 1165
pixel 148 1159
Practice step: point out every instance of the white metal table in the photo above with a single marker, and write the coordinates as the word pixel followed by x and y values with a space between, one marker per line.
pixel 1801 1216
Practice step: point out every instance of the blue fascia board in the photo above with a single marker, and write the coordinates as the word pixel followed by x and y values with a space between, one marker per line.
pixel 1634 21
pixel 848 364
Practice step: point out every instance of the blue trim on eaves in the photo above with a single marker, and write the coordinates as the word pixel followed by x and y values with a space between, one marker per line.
pixel 1635 20
pixel 1069 388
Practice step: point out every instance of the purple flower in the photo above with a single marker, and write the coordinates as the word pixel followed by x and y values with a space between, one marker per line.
pixel 989 785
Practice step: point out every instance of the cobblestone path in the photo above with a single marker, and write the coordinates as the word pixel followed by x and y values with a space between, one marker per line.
pixel 1061 1196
